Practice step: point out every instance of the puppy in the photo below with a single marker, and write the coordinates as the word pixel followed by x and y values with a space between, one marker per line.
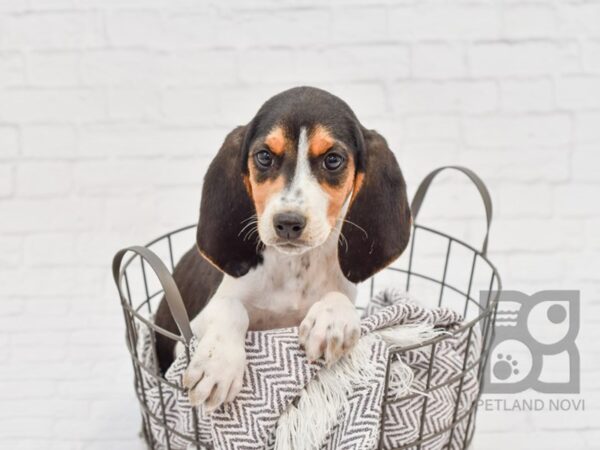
pixel 297 206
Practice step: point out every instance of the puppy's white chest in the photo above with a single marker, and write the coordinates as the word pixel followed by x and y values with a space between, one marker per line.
pixel 286 286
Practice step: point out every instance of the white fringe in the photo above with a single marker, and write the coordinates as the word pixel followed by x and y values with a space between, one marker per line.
pixel 401 376
pixel 305 426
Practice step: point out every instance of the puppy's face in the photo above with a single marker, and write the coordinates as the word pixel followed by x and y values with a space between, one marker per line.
pixel 303 167
pixel 300 179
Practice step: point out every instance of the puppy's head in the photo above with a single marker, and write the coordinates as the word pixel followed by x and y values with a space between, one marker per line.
pixel 304 170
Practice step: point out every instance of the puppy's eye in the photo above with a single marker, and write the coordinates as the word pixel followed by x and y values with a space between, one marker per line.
pixel 333 161
pixel 264 159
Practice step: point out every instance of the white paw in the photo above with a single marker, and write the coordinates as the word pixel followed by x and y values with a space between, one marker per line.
pixel 216 371
pixel 330 329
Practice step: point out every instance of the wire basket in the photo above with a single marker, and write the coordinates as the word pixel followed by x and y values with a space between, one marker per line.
pixel 439 268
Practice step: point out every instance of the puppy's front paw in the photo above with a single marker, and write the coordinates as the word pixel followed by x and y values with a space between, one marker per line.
pixel 330 329
pixel 216 371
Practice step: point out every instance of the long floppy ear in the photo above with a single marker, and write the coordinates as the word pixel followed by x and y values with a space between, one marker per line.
pixel 225 209
pixel 378 220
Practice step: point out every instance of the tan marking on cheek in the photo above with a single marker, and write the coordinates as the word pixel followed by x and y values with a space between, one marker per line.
pixel 248 185
pixel 337 195
pixel 358 182
pixel 276 141
pixel 319 141
pixel 262 192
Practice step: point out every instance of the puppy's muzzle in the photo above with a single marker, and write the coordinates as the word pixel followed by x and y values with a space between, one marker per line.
pixel 289 225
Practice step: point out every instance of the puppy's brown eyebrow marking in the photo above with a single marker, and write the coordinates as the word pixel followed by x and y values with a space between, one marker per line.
pixel 337 195
pixel 276 140
pixel 319 141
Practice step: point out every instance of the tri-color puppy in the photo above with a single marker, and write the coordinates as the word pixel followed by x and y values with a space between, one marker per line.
pixel 298 206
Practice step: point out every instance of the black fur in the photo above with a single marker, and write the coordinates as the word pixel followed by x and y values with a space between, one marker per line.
pixel 380 208
pixel 224 210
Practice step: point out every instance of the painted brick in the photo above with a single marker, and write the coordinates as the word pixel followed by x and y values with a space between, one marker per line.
pixel 55 68
pixel 439 60
pixel 448 21
pixel 522 163
pixel 531 130
pixel 453 96
pixel 21 216
pixel 586 160
pixel 134 104
pixel 296 27
pixel 574 92
pixel 530 21
pixel 527 95
pixel 123 67
pixel 522 58
pixel 423 128
pixel 53 30
pixel 206 67
pixel 367 99
pixel 535 200
pixel 49 141
pixel 12 69
pixel 9 141
pixel 348 24
pixel 52 105
pixel 580 19
pixel 189 30
pixel 591 56
pixel 134 140
pixel 587 130
pixel 133 28
pixel 578 201
pixel 43 179
pixel 11 251
pixel 6 180
pixel 48 249
pixel 194 105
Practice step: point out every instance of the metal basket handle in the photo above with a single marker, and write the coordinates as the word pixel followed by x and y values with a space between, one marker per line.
pixel 417 200
pixel 174 300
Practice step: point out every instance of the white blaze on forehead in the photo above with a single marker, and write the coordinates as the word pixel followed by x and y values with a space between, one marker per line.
pixel 302 172
pixel 306 189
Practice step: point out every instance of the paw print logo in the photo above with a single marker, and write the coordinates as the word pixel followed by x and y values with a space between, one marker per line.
pixel 532 332
pixel 505 367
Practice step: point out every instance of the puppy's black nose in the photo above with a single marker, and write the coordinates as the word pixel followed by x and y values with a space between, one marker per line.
pixel 289 225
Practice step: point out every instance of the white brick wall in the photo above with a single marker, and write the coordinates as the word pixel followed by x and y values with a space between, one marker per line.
pixel 111 110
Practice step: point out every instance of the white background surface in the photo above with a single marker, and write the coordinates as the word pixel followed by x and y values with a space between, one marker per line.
pixel 110 111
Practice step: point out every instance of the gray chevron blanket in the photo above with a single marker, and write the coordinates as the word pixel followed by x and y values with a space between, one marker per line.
pixel 288 403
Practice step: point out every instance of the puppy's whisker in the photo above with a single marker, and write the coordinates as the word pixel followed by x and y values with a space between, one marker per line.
pixel 250 231
pixel 259 243
pixel 344 240
pixel 247 225
pixel 250 223
pixel 253 216
pixel 357 226
pixel 249 234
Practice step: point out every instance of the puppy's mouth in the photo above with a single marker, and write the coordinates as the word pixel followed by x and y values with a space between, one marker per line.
pixel 294 246
pixel 291 247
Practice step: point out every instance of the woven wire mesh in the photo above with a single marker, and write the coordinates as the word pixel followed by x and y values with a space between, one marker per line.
pixel 450 273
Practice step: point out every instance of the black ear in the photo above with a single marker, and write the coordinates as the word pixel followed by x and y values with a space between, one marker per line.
pixel 225 209
pixel 378 220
